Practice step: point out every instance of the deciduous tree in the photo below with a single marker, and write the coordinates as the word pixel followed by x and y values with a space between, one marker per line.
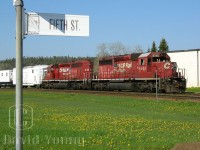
pixel 102 50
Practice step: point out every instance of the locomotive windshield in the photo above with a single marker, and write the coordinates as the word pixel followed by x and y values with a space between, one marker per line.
pixel 158 59
pixel 174 65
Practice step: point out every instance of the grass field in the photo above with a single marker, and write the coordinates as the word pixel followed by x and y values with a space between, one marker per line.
pixel 193 89
pixel 79 121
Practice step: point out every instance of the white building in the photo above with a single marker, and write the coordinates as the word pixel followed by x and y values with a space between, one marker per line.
pixel 190 60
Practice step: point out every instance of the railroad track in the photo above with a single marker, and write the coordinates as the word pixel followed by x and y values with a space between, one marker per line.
pixel 188 96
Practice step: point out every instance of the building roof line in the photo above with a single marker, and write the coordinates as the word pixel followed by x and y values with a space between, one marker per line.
pixel 189 50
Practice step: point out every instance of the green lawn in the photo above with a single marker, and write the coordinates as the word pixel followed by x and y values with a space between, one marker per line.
pixel 193 89
pixel 82 121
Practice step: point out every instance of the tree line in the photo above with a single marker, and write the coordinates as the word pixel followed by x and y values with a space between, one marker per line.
pixel 118 48
pixel 103 50
pixel 32 61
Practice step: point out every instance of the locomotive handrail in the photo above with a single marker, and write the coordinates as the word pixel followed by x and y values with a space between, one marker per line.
pixel 182 72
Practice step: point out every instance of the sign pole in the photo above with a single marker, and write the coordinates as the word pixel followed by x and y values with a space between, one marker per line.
pixel 19 60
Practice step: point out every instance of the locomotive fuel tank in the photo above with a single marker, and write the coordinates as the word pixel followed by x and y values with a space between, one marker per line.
pixel 121 86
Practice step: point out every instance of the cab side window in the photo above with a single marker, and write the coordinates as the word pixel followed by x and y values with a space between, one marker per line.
pixel 142 62
pixel 149 61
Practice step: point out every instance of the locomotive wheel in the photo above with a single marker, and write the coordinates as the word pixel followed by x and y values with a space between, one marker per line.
pixel 167 88
pixel 182 91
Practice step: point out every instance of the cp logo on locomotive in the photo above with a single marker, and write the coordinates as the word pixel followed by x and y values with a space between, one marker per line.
pixel 167 65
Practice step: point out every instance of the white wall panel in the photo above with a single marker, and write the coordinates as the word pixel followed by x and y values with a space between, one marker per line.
pixel 187 60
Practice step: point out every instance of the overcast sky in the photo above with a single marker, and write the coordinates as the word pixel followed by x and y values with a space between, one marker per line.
pixel 132 22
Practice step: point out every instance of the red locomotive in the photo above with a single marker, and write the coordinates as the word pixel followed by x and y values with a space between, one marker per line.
pixel 68 75
pixel 135 72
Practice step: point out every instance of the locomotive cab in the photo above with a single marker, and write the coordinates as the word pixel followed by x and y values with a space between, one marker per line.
pixel 150 64
pixel 157 66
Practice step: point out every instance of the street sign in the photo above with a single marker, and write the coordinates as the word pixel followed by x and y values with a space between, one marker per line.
pixel 14 2
pixel 57 24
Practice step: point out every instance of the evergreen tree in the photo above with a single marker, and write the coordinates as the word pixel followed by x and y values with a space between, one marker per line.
pixel 163 47
pixel 154 48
